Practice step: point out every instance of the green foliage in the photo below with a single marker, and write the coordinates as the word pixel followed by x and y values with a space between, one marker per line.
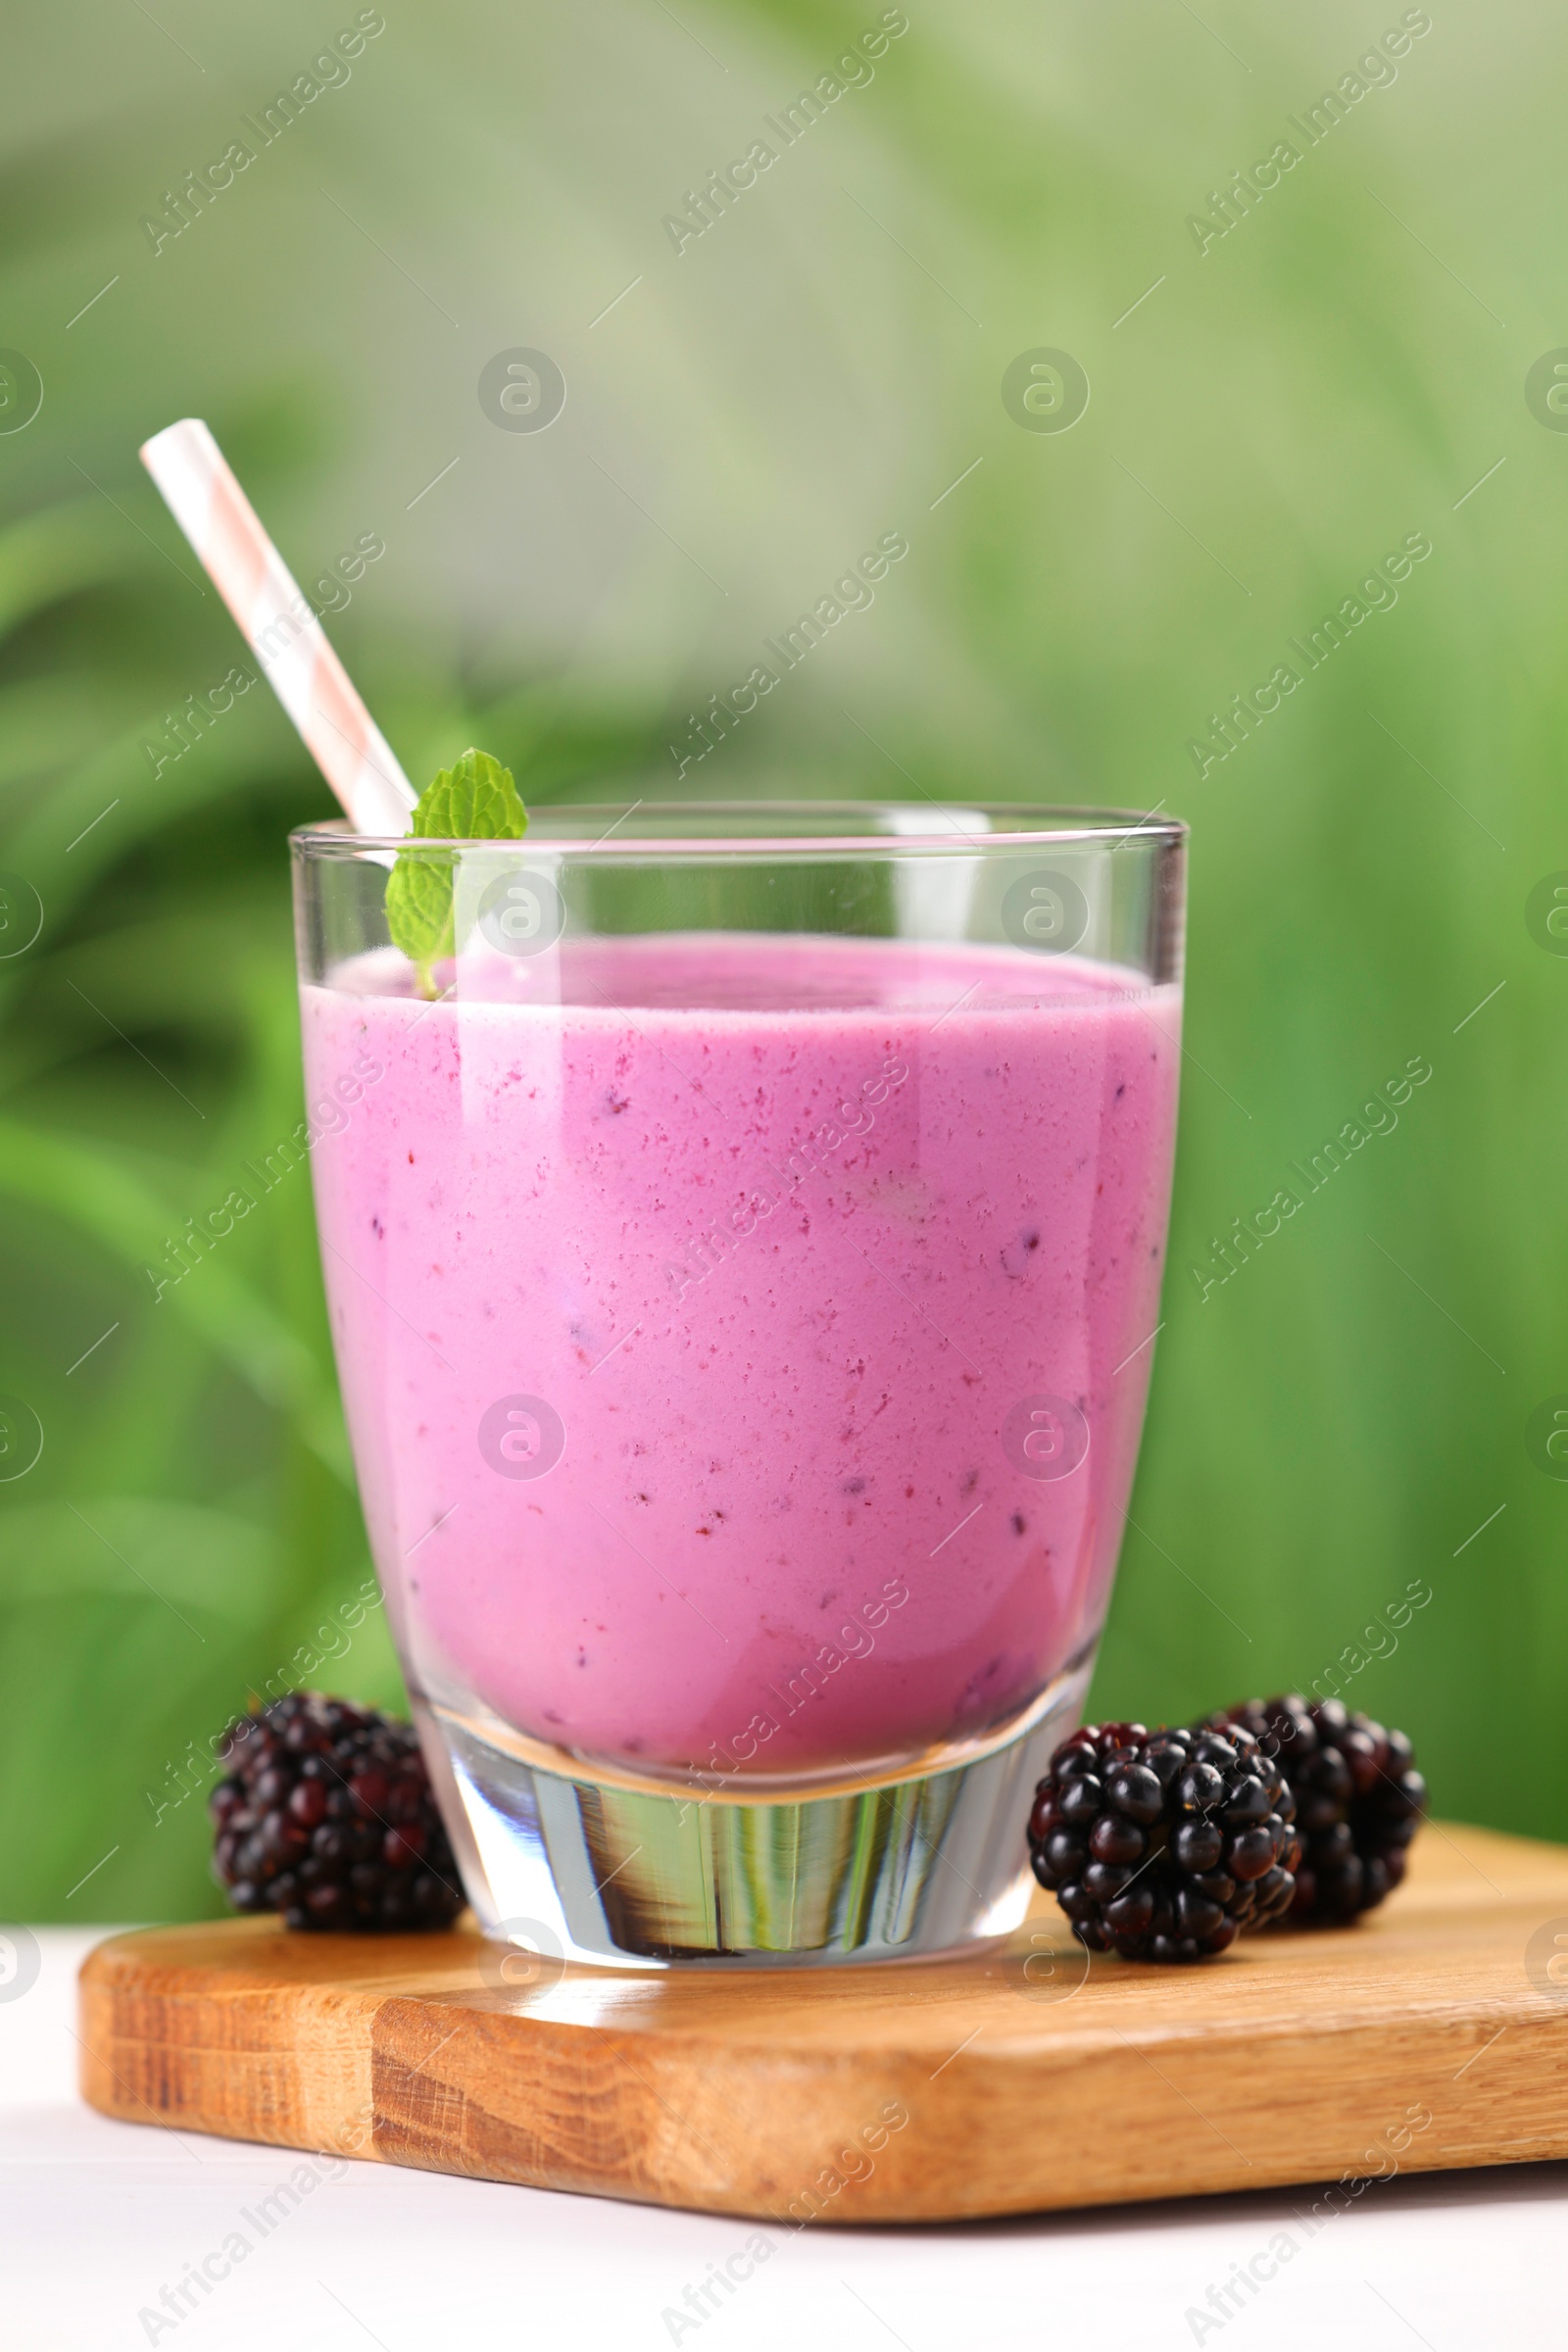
pixel 474 801
pixel 1272 416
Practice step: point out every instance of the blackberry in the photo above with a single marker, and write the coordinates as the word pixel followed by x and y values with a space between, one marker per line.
pixel 326 1816
pixel 1163 1846
pixel 1358 1801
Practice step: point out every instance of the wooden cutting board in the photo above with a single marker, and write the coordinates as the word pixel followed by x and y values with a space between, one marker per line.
pixel 1028 2077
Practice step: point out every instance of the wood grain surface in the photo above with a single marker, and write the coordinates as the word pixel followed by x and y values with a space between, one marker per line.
pixel 1020 2080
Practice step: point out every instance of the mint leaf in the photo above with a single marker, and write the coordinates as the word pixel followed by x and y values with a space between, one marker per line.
pixel 475 800
pixel 418 909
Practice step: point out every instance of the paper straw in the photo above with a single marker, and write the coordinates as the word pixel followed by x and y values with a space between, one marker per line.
pixel 280 626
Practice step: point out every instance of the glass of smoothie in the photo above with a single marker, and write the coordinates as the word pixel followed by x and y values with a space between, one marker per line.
pixel 744 1253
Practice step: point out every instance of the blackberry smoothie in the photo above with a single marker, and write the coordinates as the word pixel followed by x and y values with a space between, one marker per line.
pixel 742 1336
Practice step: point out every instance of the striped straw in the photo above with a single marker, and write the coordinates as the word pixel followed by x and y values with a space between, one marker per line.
pixel 280 626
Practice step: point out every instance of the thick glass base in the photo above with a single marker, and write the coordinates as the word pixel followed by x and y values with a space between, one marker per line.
pixel 577 1863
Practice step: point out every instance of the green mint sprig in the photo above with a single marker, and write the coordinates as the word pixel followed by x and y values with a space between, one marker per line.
pixel 475 800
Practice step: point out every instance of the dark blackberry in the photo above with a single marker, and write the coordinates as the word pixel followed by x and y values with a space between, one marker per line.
pixel 1358 1801
pixel 326 1816
pixel 1163 1846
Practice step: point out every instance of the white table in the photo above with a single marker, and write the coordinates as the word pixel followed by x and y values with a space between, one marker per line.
pixel 97 2219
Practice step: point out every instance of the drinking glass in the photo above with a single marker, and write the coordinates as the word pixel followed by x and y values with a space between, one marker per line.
pixel 743 1241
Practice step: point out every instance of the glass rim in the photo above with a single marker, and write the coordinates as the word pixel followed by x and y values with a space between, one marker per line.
pixel 893 828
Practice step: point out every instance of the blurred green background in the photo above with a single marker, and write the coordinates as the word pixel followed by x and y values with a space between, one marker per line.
pixel 1274 416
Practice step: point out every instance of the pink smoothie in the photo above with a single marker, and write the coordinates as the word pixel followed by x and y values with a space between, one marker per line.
pixel 789 1237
